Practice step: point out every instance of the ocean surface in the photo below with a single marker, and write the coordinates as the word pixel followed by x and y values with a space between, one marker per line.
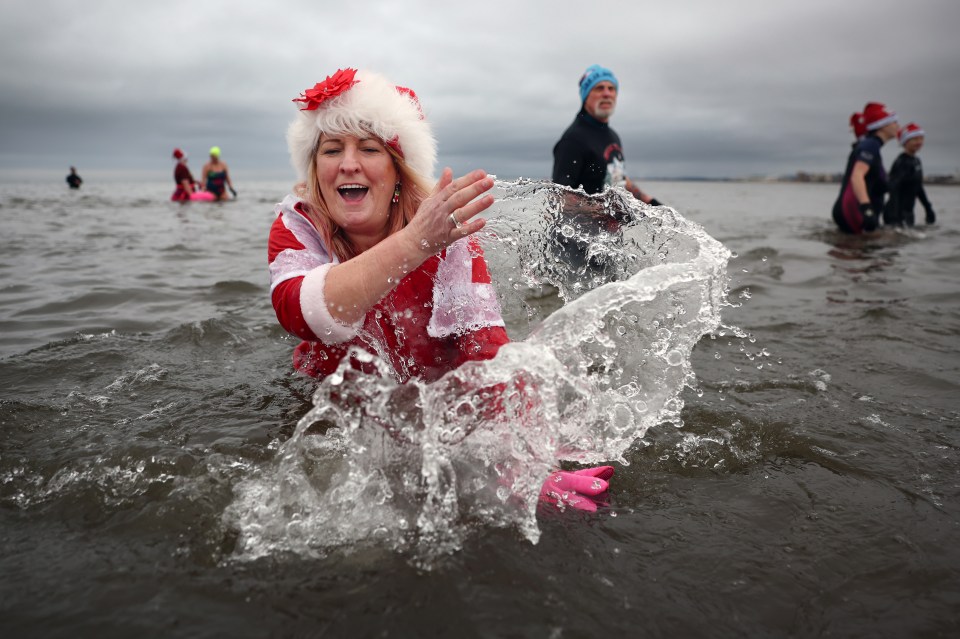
pixel 781 403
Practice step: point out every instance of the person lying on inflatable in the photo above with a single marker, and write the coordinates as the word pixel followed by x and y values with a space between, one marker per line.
pixel 368 253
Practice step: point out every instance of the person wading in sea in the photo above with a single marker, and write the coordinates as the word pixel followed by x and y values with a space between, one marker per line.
pixel 864 183
pixel 368 253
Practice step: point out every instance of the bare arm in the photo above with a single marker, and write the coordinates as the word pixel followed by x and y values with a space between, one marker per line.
pixel 226 172
pixel 355 286
pixel 640 195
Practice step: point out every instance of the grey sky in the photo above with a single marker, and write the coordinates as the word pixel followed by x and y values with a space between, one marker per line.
pixel 716 89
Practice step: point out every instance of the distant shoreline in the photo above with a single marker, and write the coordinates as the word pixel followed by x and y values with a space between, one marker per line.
pixel 801 177
pixel 150 176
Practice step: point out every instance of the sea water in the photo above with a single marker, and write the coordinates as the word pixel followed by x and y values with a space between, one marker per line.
pixel 779 401
pixel 582 384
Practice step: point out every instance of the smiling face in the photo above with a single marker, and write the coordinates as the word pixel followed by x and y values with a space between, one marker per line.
pixel 357 178
pixel 913 145
pixel 601 101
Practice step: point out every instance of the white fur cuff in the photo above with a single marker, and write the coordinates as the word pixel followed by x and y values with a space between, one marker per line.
pixel 313 305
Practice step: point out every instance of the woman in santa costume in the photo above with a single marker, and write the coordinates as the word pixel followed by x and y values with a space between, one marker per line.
pixel 367 252
pixel 865 180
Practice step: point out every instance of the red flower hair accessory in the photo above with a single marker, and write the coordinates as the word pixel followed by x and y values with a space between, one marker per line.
pixel 330 88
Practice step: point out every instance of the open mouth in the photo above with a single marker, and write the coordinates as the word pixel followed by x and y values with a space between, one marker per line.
pixel 352 192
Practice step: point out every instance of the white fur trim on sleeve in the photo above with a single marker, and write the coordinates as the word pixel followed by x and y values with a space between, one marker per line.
pixel 313 305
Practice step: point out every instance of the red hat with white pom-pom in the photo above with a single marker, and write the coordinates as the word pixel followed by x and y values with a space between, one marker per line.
pixel 876 116
pixel 912 130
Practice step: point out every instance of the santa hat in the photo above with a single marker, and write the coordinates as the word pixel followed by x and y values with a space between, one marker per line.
pixel 858 125
pixel 362 103
pixel 912 130
pixel 876 116
pixel 179 155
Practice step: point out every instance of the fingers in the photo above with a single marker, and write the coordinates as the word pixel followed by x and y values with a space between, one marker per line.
pixel 562 481
pixel 572 500
pixel 460 193
pixel 446 177
pixel 577 489
pixel 603 472
pixel 465 213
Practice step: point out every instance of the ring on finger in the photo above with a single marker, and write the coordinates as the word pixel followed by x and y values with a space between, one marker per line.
pixel 456 222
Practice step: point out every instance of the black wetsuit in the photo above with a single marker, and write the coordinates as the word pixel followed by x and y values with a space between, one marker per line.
pixel 906 186
pixel 74 181
pixel 846 210
pixel 588 155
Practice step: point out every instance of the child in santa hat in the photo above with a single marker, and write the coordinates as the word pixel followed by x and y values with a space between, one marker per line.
pixel 906 181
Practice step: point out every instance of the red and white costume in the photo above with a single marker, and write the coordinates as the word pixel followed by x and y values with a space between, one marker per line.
pixel 442 314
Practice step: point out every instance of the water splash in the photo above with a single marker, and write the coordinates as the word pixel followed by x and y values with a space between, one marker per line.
pixel 604 297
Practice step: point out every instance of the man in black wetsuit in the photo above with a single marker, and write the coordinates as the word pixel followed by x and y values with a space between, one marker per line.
pixel 73 179
pixel 589 153
pixel 906 181
pixel 589 156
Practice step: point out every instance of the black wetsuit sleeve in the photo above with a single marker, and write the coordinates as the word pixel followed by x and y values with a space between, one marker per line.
pixel 891 211
pixel 931 217
pixel 567 163
pixel 922 196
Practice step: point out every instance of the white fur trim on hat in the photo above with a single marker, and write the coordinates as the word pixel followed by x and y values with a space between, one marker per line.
pixel 372 105
pixel 882 122
pixel 911 131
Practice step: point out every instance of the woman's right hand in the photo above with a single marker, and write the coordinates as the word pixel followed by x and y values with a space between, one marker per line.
pixel 352 288
pixel 448 214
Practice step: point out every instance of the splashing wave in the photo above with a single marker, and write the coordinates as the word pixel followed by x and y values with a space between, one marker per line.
pixel 605 299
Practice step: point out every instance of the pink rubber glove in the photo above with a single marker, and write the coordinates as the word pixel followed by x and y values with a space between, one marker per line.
pixel 576 488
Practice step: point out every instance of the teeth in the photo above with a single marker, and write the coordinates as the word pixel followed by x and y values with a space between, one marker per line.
pixel 350 186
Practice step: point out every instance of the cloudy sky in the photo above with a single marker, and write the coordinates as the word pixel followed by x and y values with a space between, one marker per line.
pixel 714 89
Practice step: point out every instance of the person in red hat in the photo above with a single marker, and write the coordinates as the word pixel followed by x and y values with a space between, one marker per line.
pixel 369 255
pixel 858 126
pixel 864 181
pixel 906 181
pixel 357 250
pixel 182 177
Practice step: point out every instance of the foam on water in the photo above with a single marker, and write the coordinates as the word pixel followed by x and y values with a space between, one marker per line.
pixel 605 299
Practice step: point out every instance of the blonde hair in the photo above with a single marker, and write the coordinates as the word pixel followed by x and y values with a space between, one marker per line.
pixel 414 189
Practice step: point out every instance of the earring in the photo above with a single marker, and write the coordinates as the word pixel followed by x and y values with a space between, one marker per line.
pixel 396 194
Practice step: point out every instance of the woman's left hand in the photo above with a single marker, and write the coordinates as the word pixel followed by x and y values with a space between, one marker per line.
pixel 448 214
